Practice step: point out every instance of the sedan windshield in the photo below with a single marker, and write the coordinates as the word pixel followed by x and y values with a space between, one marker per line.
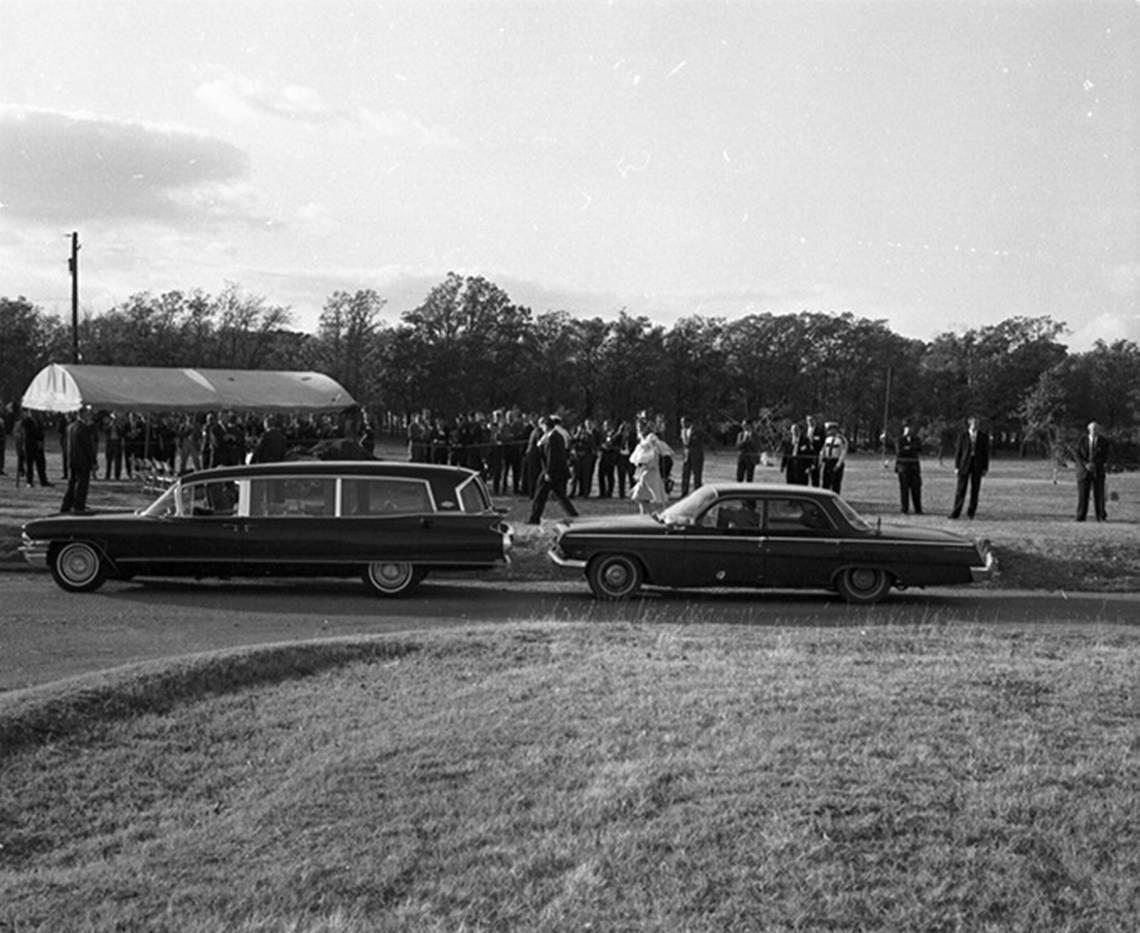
pixel 854 519
pixel 685 511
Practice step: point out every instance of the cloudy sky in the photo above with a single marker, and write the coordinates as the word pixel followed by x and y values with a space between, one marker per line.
pixel 942 165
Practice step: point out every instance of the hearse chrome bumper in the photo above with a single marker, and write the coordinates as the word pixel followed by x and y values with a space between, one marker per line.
pixel 988 570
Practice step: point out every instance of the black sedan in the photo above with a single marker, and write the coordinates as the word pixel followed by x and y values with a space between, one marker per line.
pixel 388 522
pixel 752 535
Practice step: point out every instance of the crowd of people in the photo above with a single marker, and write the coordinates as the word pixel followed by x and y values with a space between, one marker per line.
pixel 132 445
pixel 519 454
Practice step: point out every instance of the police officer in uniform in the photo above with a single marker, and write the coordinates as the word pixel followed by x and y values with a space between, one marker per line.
pixel 832 458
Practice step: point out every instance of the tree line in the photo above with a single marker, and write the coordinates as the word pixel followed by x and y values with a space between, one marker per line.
pixel 467 347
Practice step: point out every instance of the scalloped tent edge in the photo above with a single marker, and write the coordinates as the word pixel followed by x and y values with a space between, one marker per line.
pixel 65 387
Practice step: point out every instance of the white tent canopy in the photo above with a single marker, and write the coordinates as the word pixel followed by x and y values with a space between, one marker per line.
pixel 68 387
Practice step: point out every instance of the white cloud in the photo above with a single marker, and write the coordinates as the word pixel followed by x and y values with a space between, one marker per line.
pixel 57 166
pixel 238 98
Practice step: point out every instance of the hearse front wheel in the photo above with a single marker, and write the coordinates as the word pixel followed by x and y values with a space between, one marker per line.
pixel 863 586
pixel 614 576
pixel 392 578
pixel 78 567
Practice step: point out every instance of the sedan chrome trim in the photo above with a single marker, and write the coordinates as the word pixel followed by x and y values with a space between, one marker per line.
pixel 566 562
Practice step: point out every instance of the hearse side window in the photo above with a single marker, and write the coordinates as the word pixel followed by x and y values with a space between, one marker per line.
pixel 293 496
pixel 205 500
pixel 473 496
pixel 384 497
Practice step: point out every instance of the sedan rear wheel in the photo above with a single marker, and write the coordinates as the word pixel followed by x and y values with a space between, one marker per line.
pixel 78 567
pixel 863 585
pixel 614 576
pixel 393 578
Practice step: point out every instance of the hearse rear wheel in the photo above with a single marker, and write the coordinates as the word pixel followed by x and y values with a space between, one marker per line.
pixel 863 586
pixel 78 567
pixel 392 578
pixel 614 576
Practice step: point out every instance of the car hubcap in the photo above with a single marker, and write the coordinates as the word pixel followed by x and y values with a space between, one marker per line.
pixel 616 576
pixel 78 565
pixel 863 580
pixel 390 575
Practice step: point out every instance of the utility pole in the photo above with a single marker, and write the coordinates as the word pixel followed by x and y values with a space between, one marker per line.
pixel 73 265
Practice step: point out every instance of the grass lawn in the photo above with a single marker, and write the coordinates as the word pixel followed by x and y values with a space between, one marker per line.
pixel 547 777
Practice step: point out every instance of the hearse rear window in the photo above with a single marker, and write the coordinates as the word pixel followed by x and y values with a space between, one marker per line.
pixel 385 497
pixel 473 496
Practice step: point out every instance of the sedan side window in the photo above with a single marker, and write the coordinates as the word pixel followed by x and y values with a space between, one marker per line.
pixel 734 517
pixel 795 516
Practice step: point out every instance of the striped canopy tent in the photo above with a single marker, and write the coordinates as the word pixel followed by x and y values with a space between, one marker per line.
pixel 68 387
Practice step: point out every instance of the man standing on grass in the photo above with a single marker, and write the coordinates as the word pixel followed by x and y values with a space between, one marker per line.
pixel 908 467
pixel 82 452
pixel 832 458
pixel 692 456
pixel 971 463
pixel 1092 465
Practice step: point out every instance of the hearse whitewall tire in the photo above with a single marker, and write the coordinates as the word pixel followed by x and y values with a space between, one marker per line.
pixel 393 578
pixel 78 567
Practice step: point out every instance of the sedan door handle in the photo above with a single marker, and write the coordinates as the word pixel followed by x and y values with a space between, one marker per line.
pixel 427 522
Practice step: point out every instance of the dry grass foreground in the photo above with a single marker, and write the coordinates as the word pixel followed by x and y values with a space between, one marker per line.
pixel 549 777
pixel 1026 511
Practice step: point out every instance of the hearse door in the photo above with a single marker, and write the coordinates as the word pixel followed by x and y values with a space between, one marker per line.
pixel 205 532
pixel 293 523
pixel 801 545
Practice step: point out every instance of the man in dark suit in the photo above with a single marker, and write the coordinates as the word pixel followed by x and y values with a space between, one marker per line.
pixel 272 446
pixel 693 441
pixel 1092 465
pixel 971 463
pixel 814 434
pixel 908 467
pixel 82 452
pixel 35 460
pixel 554 446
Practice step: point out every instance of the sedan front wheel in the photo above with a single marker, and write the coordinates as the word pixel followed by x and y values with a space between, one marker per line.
pixel 393 578
pixel 863 586
pixel 78 567
pixel 614 576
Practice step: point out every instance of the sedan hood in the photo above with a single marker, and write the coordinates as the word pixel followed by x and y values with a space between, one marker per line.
pixel 625 525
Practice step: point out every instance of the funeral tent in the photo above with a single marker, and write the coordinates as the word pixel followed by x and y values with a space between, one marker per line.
pixel 68 387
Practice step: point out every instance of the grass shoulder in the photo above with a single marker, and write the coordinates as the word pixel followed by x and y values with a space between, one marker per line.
pixel 563 776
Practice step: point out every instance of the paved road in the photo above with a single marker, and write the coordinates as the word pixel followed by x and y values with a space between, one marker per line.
pixel 46 634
